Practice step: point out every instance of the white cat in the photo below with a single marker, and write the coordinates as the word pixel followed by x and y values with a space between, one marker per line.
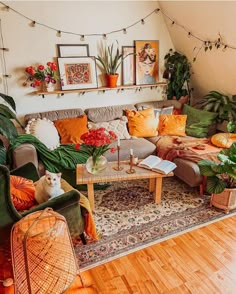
pixel 48 186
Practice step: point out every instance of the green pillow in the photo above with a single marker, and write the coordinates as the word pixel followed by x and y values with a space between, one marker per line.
pixel 198 121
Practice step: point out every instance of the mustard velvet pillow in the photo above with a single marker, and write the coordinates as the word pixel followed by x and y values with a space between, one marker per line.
pixel 172 125
pixel 71 129
pixel 142 123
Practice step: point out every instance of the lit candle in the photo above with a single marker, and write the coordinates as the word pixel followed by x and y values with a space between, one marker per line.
pixel 131 152
pixel 118 142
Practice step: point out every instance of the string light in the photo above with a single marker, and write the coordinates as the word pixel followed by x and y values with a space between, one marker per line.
pixel 142 21
pixel 189 34
pixel 82 38
pixel 124 31
pixel 173 22
pixel 58 33
pixel 104 36
pixel 33 23
pixel 157 10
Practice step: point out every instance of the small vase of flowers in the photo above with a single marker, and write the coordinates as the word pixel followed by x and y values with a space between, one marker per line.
pixel 95 143
pixel 42 76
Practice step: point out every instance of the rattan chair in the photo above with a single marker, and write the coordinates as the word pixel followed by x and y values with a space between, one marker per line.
pixel 66 204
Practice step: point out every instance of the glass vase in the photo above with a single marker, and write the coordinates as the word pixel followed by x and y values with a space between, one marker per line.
pixel 96 165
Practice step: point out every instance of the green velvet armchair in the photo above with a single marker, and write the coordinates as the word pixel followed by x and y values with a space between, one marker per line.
pixel 66 204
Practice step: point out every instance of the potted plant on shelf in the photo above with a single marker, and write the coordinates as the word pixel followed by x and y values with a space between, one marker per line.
pixel 178 72
pixel 223 105
pixel 7 128
pixel 221 178
pixel 110 60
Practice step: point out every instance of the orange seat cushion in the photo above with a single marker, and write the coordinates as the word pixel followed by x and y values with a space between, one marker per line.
pixel 142 123
pixel 223 140
pixel 71 129
pixel 172 125
pixel 22 192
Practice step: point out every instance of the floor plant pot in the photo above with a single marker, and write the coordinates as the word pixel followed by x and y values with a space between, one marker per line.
pixel 112 80
pixel 225 200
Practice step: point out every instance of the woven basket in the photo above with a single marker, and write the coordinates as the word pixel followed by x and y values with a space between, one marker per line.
pixel 225 200
pixel 42 254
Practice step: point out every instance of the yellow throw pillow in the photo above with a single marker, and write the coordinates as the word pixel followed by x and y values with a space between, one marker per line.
pixel 142 123
pixel 172 125
pixel 71 129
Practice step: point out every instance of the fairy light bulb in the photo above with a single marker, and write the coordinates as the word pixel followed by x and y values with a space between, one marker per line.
pixel 225 47
pixel 82 38
pixel 124 31
pixel 157 10
pixel 142 21
pixel 189 34
pixel 58 33
pixel 173 22
pixel 104 36
pixel 33 23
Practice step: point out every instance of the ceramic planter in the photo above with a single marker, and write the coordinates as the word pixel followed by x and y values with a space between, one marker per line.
pixel 225 200
pixel 112 80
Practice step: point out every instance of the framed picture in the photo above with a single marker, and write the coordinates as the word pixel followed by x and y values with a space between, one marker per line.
pixel 77 72
pixel 72 50
pixel 146 62
pixel 128 65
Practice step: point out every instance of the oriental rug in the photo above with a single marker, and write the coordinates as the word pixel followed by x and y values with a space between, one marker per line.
pixel 128 220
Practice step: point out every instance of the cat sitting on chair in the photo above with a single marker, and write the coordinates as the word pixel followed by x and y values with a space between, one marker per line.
pixel 48 186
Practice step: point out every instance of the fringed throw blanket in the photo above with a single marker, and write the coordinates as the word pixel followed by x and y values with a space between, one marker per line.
pixel 193 149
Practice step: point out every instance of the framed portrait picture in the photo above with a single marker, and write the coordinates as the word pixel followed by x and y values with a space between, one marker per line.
pixel 72 50
pixel 77 72
pixel 146 62
pixel 128 65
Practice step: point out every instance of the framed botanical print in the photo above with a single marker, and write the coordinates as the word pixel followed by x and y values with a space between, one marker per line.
pixel 146 62
pixel 77 73
pixel 128 65
pixel 72 50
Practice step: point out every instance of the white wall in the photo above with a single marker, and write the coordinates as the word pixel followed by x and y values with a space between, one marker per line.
pixel 213 70
pixel 31 46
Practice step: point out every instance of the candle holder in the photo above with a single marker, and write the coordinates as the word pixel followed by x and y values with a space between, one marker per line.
pixel 131 170
pixel 118 167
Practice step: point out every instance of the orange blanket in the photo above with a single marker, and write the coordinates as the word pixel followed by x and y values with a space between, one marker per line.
pixel 170 147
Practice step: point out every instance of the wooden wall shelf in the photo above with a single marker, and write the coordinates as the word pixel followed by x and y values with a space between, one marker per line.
pixel 101 89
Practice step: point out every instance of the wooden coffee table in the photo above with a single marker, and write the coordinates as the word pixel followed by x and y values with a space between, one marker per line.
pixel 111 175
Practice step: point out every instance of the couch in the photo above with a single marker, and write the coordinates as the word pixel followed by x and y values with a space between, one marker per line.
pixel 186 170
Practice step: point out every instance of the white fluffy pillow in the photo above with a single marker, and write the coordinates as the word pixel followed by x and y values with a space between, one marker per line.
pixel 118 126
pixel 45 131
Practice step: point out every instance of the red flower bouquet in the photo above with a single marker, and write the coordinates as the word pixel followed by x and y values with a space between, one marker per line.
pixel 95 143
pixel 40 74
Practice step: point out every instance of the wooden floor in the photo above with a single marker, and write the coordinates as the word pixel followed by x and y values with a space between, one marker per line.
pixel 202 261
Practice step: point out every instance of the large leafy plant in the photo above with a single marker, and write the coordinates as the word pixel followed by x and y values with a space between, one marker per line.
pixel 223 105
pixel 110 59
pixel 178 71
pixel 7 128
pixel 220 175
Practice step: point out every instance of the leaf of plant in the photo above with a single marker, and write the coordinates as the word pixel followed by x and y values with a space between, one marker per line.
pixel 7 128
pixel 9 100
pixel 3 152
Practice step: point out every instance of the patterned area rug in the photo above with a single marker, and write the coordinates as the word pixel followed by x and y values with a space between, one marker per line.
pixel 128 219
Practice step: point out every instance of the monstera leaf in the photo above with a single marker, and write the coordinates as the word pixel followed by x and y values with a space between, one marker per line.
pixel 2 154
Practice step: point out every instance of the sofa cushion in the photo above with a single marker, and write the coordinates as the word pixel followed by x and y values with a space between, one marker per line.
pixel 172 125
pixel 142 123
pixel 45 131
pixel 107 113
pixel 159 104
pixel 55 114
pixel 22 192
pixel 118 126
pixel 71 129
pixel 199 121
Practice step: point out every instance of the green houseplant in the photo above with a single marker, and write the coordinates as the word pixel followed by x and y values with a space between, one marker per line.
pixel 7 128
pixel 221 178
pixel 223 105
pixel 110 59
pixel 178 72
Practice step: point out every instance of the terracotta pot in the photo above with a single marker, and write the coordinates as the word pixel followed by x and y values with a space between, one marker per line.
pixel 112 80
pixel 225 200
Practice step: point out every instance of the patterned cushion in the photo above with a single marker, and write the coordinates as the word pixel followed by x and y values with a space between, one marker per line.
pixel 22 192
pixel 118 126
pixel 45 131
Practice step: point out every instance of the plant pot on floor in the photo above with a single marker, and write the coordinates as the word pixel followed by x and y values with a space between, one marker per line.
pixel 112 80
pixel 225 200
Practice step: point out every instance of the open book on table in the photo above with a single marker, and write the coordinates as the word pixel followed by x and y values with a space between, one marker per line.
pixel 157 164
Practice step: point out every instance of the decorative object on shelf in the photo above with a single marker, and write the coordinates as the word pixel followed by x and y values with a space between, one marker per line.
pixel 147 62
pixel 221 178
pixel 78 72
pixel 178 73
pixel 110 59
pixel 96 143
pixel 128 65
pixel 41 76
pixel 42 254
pixel 73 50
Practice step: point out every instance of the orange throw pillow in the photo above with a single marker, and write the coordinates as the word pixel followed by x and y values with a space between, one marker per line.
pixel 223 140
pixel 71 129
pixel 172 125
pixel 142 123
pixel 22 192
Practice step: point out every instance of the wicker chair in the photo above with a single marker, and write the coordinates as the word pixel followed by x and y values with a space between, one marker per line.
pixel 66 204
